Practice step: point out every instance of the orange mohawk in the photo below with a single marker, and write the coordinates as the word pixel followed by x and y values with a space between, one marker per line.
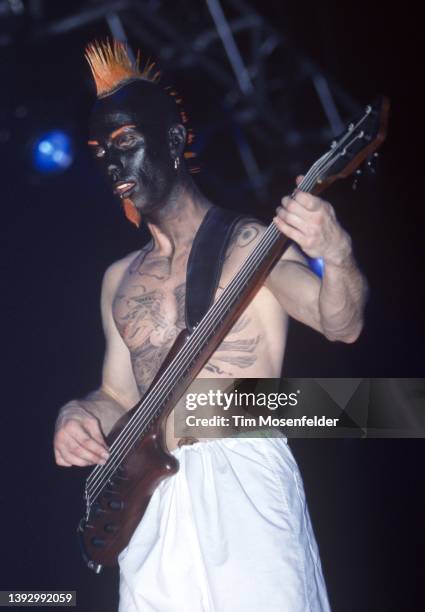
pixel 110 65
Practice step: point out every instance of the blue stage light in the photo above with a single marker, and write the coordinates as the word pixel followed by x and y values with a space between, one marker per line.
pixel 316 265
pixel 53 152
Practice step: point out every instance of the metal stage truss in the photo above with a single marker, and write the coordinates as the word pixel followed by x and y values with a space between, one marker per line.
pixel 281 108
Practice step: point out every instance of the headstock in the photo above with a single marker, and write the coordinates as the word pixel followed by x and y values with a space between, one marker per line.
pixel 357 144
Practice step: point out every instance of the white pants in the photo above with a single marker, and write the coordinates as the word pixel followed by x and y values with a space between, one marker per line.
pixel 230 532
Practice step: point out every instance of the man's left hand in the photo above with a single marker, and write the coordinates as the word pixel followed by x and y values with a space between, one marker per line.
pixel 311 223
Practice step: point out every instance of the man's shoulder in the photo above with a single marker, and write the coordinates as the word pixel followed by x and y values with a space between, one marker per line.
pixel 247 221
pixel 118 267
pixel 116 270
pixel 122 264
pixel 246 233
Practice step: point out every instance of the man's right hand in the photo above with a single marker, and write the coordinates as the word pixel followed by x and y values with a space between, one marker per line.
pixel 78 438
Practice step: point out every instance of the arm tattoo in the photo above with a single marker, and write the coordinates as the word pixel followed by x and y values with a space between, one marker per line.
pixel 243 236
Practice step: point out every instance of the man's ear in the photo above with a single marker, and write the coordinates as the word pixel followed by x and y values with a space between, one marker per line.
pixel 176 140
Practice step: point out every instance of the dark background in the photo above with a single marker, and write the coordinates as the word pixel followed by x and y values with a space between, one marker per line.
pixel 60 233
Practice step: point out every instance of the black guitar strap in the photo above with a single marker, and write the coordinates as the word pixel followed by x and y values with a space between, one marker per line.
pixel 206 260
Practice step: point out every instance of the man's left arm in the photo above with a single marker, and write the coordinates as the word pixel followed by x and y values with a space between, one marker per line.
pixel 333 305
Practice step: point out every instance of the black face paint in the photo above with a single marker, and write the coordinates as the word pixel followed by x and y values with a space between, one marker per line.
pixel 131 127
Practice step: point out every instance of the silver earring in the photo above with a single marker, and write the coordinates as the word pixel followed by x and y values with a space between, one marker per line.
pixel 176 163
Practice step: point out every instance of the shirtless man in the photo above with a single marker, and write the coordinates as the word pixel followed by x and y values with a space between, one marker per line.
pixel 139 142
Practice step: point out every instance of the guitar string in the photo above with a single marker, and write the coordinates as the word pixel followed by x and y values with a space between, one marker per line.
pixel 147 413
pixel 139 424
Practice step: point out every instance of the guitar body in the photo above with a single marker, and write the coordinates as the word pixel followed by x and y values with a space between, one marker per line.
pixel 121 504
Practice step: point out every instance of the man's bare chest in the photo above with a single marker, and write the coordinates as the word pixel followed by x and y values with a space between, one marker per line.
pixel 149 305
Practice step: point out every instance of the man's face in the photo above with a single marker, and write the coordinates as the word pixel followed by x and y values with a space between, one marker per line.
pixel 129 138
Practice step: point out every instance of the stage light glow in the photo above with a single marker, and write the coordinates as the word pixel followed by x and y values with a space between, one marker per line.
pixel 53 152
pixel 316 265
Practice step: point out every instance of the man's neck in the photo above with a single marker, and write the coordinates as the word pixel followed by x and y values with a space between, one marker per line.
pixel 175 224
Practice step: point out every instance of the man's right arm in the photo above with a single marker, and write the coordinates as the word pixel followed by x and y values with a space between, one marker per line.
pixel 82 424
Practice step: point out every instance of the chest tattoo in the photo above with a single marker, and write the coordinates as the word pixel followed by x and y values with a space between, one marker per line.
pixel 149 314
pixel 233 351
pixel 149 321
pixel 158 268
